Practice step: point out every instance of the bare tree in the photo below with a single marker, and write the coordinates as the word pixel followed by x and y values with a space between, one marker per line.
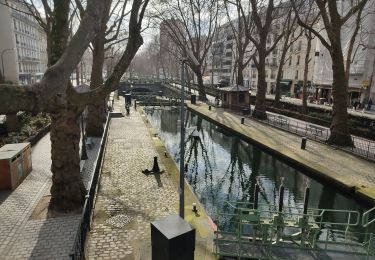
pixel 309 38
pixel 333 23
pixel 289 38
pixel 55 95
pixel 110 33
pixel 191 25
pixel 264 14
pixel 242 28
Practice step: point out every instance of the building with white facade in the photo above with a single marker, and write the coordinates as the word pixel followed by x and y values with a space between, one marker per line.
pixel 320 76
pixel 23 45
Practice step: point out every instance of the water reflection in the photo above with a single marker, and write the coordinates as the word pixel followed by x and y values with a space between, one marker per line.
pixel 223 167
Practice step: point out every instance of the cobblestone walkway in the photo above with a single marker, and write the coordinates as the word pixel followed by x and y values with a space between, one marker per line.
pixel 128 200
pixel 24 238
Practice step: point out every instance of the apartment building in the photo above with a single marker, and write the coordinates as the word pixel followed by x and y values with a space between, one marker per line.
pixel 23 45
pixel 220 58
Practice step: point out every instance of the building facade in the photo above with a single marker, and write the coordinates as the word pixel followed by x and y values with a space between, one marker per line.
pixel 320 75
pixel 23 45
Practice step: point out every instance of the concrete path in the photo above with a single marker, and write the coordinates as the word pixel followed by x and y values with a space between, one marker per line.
pixel 24 238
pixel 128 200
pixel 343 169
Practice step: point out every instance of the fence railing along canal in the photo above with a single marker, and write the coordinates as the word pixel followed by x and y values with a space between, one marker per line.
pixel 78 250
pixel 362 147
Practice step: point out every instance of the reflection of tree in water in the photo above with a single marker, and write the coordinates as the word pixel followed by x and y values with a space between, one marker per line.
pixel 196 147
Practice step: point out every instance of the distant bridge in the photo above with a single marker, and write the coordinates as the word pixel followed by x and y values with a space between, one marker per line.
pixel 151 86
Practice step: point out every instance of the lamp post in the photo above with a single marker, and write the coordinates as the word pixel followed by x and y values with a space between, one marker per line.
pixel 182 146
pixel 84 151
pixel 2 61
pixel 193 60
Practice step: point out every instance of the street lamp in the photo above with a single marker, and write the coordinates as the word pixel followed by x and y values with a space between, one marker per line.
pixel 182 140
pixel 2 61
pixel 84 150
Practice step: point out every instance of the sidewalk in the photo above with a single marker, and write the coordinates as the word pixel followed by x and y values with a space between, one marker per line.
pixel 128 200
pixel 297 101
pixel 24 237
pixel 338 167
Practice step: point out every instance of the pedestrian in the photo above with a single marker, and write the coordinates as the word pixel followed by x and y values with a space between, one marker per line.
pixel 369 104
pixel 127 107
pixel 356 105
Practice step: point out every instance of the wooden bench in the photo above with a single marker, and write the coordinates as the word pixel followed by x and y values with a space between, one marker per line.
pixel 315 130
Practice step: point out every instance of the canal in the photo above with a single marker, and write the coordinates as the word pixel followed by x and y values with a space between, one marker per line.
pixel 222 167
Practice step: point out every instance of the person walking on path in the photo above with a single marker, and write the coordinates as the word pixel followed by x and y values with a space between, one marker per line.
pixel 369 104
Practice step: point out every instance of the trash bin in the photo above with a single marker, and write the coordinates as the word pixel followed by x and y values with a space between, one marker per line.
pixel 15 164
pixel 172 238
pixel 128 98
pixel 246 111
pixel 193 99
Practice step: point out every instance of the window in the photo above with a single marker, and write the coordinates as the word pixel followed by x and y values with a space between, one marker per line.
pixel 299 45
pixel 15 24
pixel 291 47
pixel 296 77
pixel 241 97
pixel 290 61
pixel 298 58
pixel 272 74
pixel 225 97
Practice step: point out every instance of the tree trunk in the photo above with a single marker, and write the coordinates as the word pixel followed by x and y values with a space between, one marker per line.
pixel 68 191
pixel 77 75
pixel 260 103
pixel 239 79
pixel 96 113
pixel 340 134
pixel 305 73
pixel 278 77
pixel 201 89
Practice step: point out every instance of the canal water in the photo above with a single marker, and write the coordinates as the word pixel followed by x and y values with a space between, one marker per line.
pixel 222 167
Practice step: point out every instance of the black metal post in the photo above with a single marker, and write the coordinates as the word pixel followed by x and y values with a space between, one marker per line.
pixel 281 198
pixel 182 141
pixel 242 120
pixel 84 151
pixel 303 143
pixel 256 196
pixel 306 200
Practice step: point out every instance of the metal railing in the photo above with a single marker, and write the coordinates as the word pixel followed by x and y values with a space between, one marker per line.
pixel 251 232
pixel 78 250
pixel 362 147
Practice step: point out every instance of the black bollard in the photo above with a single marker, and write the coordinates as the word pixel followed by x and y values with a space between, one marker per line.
pixel 303 143
pixel 155 167
pixel 209 107
pixel 186 168
pixel 135 104
pixel 281 198
pixel 256 194
pixel 306 200
pixel 242 120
